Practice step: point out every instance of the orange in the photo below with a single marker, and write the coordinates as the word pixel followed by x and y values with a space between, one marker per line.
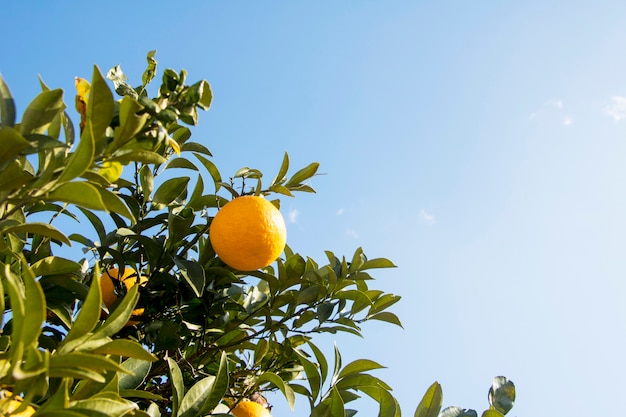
pixel 248 233
pixel 10 403
pixel 108 287
pixel 250 409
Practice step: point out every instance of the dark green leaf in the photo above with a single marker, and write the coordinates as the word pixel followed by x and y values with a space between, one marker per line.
pixel 178 385
pixel 79 193
pixel 210 166
pixel 81 159
pixel 89 314
pixel 282 172
pixel 303 174
pixel 131 122
pixel 99 107
pixel 126 348
pixel 11 143
pixel 7 105
pixel 43 229
pixel 502 394
pixel 386 316
pixel 458 412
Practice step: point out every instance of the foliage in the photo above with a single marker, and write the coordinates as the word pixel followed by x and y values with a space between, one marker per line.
pixel 501 399
pixel 128 188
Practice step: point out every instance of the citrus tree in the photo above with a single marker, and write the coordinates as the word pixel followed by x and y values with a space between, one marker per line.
pixel 137 279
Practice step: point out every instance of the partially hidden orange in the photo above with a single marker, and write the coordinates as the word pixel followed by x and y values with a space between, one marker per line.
pixel 109 285
pixel 9 403
pixel 248 233
pixel 248 408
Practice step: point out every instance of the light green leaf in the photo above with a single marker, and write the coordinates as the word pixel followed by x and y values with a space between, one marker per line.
pixel 85 361
pixel 458 412
pixel 37 228
pixel 11 143
pixel 358 366
pixel 210 166
pixel 377 263
pixel 178 385
pixel 303 175
pixel 282 172
pixel 82 158
pixel 492 413
pixel 278 382
pixel 79 193
pixel 137 370
pixel 114 203
pixel 100 107
pixel 431 402
pixel 126 348
pixel 89 314
pixel 386 316
pixel 42 111
pixel 126 156
pixel 312 375
pixel 120 316
pixel 55 265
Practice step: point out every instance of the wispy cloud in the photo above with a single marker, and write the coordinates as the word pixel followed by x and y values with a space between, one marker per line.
pixel 554 102
pixel 292 216
pixel 340 211
pixel 352 233
pixel 617 108
pixel 567 120
pixel 426 217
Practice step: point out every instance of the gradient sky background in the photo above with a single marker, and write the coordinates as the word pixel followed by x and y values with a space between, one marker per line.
pixel 479 145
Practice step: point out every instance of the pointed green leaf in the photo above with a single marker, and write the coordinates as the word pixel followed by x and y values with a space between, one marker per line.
pixel 282 172
pixel 114 203
pixel 278 382
pixel 377 263
pixel 100 106
pixel 312 375
pixel 303 174
pixel 120 316
pixel 458 412
pixel 55 265
pixel 169 190
pixel 178 386
pixel 79 193
pixel 431 402
pixel 492 413
pixel 89 313
pixel 210 166
pixel 11 143
pixel 43 229
pixel 126 348
pixel 7 105
pixel 85 361
pixel 126 156
pixel 137 371
pixel 42 111
pixel 82 158
pixel 358 366
pixel 386 316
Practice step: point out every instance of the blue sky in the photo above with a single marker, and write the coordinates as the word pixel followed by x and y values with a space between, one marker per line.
pixel 480 146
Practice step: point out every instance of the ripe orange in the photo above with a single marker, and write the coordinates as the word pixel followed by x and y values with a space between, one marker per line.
pixel 108 286
pixel 10 403
pixel 248 233
pixel 250 409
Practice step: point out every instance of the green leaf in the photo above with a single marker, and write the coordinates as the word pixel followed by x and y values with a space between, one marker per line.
pixel 37 228
pixel 126 156
pixel 148 74
pixel 103 407
pixel 120 316
pixel 42 111
pixel 282 172
pixel 389 406
pixel 89 314
pixel 55 265
pixel 312 375
pixel 81 160
pixel 169 190
pixel 79 193
pixel 386 316
pixel 7 105
pixel 137 371
pixel 358 366
pixel 502 394
pixel 431 402
pixel 11 143
pixel 178 385
pixel 181 163
pixel 113 203
pixel 354 381
pixel 100 107
pixel 303 175
pixel 377 263
pixel 131 122
pixel 210 166
pixel 337 408
pixel 126 348
pixel 278 382
pixel 196 398
pixel 85 361
pixel 193 273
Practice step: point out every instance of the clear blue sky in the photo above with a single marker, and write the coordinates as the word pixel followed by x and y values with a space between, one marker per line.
pixel 479 145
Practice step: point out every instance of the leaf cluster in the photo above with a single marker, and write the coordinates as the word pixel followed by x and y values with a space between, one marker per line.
pixel 129 189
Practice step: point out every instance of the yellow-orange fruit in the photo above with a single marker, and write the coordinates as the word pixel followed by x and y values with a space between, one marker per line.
pixel 250 409
pixel 248 233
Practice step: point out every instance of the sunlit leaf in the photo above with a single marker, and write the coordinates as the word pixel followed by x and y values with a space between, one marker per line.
pixel 41 111
pixel 431 402
pixel 7 105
